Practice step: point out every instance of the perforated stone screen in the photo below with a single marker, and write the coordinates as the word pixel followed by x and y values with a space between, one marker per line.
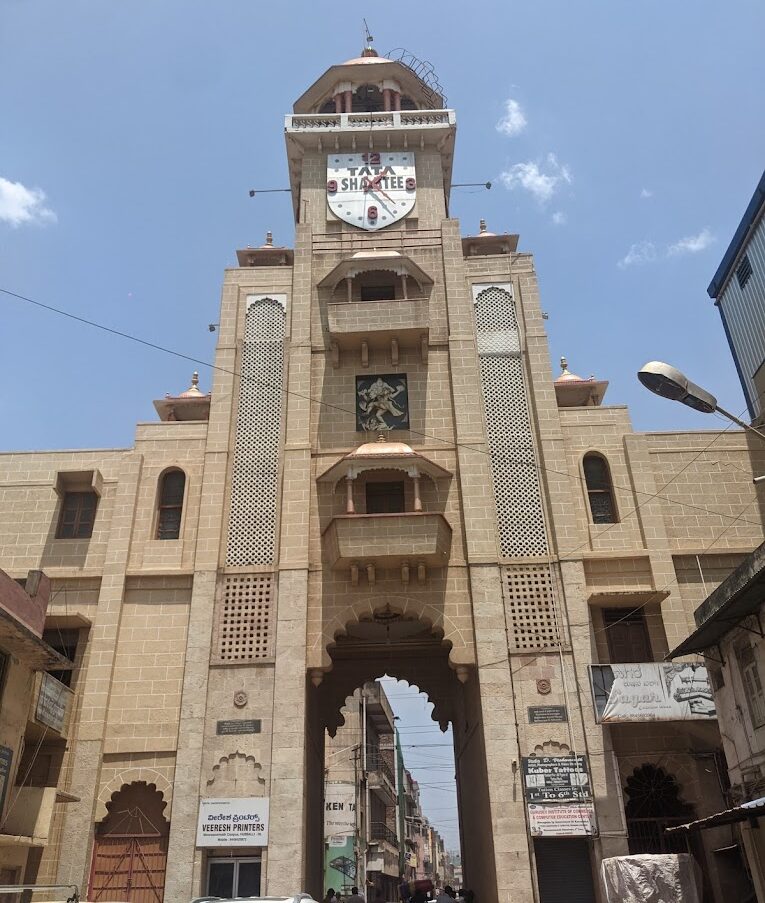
pixel 530 596
pixel 243 623
pixel 517 494
pixel 255 475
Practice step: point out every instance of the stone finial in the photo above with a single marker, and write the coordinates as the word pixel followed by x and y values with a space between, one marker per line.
pixel 563 364
pixel 195 379
pixel 269 239
pixel 482 226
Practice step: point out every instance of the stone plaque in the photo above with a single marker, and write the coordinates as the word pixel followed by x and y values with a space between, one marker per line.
pixel 382 403
pixel 243 726
pixel 547 714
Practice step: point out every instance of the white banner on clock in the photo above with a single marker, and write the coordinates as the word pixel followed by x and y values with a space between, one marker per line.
pixel 372 190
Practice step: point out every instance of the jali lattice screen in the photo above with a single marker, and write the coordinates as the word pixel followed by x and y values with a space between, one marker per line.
pixel 255 476
pixel 243 623
pixel 530 595
pixel 517 494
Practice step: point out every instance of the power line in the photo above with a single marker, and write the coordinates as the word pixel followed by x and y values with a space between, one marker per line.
pixel 317 401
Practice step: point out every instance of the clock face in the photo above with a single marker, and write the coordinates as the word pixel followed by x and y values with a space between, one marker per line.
pixel 373 190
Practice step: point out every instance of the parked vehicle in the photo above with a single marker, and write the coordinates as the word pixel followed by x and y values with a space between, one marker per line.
pixel 296 898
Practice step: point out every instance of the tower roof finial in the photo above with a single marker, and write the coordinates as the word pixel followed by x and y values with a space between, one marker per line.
pixel 368 39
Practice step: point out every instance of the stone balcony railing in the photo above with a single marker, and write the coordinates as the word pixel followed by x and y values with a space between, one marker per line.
pixel 413 538
pixel 378 323
pixel 393 120
pixel 28 819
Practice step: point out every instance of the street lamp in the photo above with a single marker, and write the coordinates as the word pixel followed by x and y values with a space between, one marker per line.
pixel 667 381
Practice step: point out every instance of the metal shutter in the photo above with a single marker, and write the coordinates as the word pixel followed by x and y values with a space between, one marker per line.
pixel 564 872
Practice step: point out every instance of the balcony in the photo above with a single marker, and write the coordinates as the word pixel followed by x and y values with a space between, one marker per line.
pixel 379 832
pixel 388 123
pixel 388 540
pixel 51 705
pixel 29 817
pixel 381 779
pixel 378 324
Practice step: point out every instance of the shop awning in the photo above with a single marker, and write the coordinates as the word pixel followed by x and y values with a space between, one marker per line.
pixel 744 812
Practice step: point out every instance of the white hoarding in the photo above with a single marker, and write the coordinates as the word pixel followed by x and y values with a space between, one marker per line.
pixel 561 820
pixel 339 808
pixel 652 691
pixel 233 821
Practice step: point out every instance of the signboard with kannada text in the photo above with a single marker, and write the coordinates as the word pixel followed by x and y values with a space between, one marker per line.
pixel 652 691
pixel 233 821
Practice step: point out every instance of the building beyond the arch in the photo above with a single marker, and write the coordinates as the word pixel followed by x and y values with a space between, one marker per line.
pixel 510 536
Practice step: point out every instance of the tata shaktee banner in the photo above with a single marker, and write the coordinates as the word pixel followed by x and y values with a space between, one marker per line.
pixel 652 691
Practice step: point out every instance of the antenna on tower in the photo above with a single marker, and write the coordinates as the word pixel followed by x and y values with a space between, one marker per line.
pixel 368 39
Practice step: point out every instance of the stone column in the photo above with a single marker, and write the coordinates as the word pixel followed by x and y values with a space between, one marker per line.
pixel 77 834
pixel 287 845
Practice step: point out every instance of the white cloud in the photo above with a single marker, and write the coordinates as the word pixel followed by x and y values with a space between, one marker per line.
pixel 692 244
pixel 646 193
pixel 540 179
pixel 19 204
pixel 559 218
pixel 640 252
pixel 514 120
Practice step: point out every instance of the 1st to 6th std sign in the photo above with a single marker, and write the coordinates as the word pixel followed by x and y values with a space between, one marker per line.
pixel 233 821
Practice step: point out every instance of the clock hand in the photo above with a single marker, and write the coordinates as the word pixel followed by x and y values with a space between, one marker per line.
pixel 375 185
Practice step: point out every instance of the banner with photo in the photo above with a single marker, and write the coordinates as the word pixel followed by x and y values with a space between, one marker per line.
pixel 652 691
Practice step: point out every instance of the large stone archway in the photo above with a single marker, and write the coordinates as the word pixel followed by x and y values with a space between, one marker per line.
pixel 393 640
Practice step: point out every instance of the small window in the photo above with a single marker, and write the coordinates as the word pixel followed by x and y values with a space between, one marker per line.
pixel 385 498
pixel 378 292
pixel 599 489
pixel 744 271
pixel 78 514
pixel 627 635
pixel 750 676
pixel 171 489
pixel 65 643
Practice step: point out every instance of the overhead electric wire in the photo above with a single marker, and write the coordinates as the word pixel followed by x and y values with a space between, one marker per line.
pixel 317 401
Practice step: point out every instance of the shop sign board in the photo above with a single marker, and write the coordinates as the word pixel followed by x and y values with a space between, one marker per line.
pixel 52 703
pixel 652 691
pixel 548 779
pixel 233 821
pixel 339 809
pixel 561 819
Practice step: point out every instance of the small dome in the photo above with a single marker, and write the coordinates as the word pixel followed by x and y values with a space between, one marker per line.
pixel 368 56
pixel 566 375
pixel 382 448
pixel 193 390
pixel 483 232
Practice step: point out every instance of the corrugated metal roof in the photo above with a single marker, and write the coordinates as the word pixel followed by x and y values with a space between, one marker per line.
pixel 752 809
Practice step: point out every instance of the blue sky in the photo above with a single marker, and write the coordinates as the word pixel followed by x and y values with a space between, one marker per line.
pixel 130 134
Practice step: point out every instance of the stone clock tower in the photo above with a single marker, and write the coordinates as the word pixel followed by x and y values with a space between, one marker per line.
pixel 385 479
pixel 383 510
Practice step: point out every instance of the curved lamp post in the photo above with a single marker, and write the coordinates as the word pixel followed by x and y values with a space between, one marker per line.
pixel 667 381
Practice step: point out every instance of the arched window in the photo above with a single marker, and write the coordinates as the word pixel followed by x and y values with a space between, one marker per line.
pixel 170 504
pixel 597 476
pixel 653 804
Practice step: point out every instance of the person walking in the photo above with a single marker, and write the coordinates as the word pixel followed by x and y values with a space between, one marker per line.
pixel 355 896
pixel 446 895
pixel 330 896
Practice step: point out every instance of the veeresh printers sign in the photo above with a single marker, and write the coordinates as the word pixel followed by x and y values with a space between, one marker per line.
pixel 233 821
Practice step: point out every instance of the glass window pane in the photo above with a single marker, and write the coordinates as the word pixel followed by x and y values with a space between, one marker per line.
pixel 221 882
pixel 596 472
pixel 248 884
pixel 173 484
pixel 602 508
